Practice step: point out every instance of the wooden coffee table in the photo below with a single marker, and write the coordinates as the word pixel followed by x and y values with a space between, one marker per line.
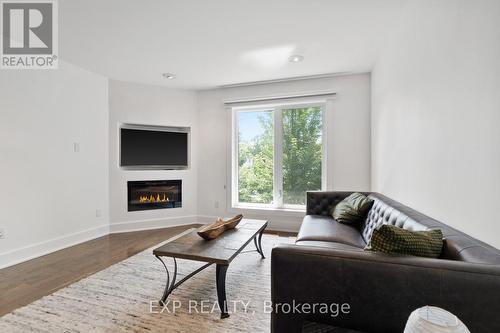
pixel 220 251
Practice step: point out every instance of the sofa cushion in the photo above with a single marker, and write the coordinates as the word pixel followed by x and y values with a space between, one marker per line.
pixel 465 248
pixel 395 240
pixel 326 229
pixel 330 245
pixel 352 210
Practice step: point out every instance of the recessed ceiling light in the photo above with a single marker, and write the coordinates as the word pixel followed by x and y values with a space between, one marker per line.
pixel 296 58
pixel 169 76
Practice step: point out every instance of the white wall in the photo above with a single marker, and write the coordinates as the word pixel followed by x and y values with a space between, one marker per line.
pixel 436 114
pixel 49 193
pixel 151 105
pixel 348 141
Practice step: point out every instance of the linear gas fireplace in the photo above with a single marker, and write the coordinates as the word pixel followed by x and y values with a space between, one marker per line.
pixel 154 194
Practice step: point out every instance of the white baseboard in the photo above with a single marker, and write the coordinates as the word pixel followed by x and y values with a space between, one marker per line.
pixel 26 253
pixel 152 224
pixel 207 218
pixel 275 224
pixel 285 226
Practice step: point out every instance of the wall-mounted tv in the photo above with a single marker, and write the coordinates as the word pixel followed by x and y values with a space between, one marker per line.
pixel 154 147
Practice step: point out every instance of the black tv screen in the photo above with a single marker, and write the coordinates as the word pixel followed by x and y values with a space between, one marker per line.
pixel 153 148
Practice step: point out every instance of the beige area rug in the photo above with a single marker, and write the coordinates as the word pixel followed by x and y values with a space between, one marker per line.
pixel 124 298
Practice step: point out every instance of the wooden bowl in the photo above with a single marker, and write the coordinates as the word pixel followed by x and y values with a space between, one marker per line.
pixel 232 223
pixel 214 230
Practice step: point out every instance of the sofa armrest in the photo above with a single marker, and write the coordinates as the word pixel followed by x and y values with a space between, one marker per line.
pixel 381 290
pixel 322 202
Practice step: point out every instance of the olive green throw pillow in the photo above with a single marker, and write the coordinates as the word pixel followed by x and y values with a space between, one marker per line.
pixel 391 239
pixel 352 209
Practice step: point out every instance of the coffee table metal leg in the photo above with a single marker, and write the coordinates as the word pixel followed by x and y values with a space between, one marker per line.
pixel 258 243
pixel 221 289
pixel 170 285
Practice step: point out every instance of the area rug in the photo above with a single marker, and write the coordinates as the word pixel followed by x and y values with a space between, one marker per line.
pixel 124 298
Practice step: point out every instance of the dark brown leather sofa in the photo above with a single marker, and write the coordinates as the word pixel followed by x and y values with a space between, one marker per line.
pixel 328 265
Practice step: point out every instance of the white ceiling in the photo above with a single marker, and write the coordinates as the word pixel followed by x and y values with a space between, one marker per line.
pixel 209 43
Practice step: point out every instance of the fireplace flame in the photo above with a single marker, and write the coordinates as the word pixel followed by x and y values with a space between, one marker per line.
pixel 153 199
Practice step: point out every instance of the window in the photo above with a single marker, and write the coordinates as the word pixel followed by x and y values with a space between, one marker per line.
pixel 255 157
pixel 277 155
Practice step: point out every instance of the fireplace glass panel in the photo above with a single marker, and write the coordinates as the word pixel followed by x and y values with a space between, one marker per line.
pixel 154 194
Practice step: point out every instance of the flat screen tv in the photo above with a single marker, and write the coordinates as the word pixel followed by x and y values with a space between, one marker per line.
pixel 150 147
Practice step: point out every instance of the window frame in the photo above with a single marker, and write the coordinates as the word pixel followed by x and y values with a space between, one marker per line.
pixel 277 109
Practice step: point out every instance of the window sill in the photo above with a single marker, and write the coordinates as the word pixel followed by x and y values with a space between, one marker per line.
pixel 270 210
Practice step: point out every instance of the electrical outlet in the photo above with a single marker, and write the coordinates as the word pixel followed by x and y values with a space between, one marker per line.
pixel 76 147
pixel 2 233
pixel 98 213
pixel 216 205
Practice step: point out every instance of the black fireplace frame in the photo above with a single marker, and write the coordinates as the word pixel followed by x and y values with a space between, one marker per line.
pixel 152 206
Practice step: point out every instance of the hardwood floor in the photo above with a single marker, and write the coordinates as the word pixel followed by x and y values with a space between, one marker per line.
pixel 28 281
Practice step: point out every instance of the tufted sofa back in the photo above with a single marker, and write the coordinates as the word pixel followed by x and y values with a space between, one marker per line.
pixel 323 202
pixel 383 212
pixel 457 245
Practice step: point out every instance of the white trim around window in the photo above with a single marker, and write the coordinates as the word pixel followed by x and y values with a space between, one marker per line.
pixel 233 150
